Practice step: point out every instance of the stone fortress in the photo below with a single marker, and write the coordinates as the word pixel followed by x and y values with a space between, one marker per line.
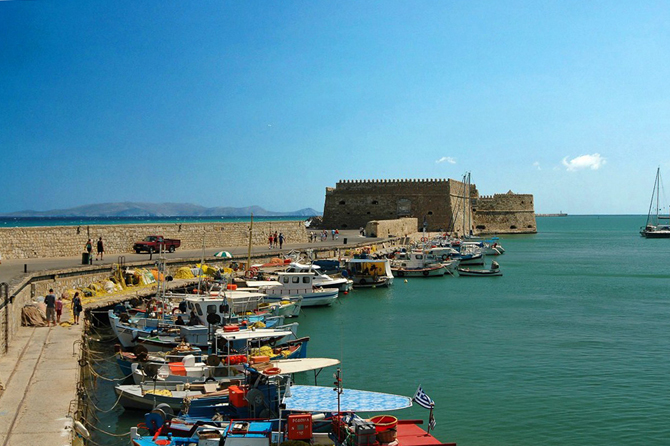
pixel 443 205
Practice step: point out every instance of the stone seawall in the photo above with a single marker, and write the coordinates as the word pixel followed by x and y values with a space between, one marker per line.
pixel 388 228
pixel 69 241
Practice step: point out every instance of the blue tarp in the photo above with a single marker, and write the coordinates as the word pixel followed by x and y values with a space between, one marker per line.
pixel 324 399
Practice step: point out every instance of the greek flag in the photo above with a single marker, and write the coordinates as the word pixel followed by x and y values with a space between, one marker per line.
pixel 431 421
pixel 422 399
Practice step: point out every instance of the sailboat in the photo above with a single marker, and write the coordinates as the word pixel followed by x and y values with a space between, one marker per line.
pixel 653 229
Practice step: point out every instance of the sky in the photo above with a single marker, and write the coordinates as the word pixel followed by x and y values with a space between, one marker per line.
pixel 240 103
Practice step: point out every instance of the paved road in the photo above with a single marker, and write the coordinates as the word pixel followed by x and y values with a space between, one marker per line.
pixel 13 269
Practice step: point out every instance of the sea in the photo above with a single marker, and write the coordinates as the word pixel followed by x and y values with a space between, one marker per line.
pixel 571 346
pixel 13 222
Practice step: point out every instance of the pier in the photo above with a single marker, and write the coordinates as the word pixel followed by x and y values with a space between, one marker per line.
pixel 40 369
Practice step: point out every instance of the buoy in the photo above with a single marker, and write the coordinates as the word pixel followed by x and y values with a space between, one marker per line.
pixel 405 280
pixel 346 292
pixel 374 286
pixel 80 429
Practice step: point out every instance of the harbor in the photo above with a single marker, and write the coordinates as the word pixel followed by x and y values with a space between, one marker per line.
pixel 475 368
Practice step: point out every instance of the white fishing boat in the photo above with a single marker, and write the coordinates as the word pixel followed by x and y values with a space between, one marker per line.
pixel 295 285
pixel 416 264
pixel 321 279
pixel 472 272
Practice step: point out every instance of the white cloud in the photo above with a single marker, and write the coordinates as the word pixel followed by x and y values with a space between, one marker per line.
pixel 593 162
pixel 537 165
pixel 448 159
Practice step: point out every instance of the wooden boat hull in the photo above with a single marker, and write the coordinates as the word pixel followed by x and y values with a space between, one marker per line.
pixel 420 272
pixel 466 272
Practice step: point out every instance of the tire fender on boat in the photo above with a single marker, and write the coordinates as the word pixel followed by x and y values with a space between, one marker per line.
pixel 425 273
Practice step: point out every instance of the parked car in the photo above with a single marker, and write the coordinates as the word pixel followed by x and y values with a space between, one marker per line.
pixel 155 243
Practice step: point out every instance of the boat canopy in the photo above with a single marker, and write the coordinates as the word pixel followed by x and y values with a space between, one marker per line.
pixel 323 399
pixel 288 366
pixel 260 283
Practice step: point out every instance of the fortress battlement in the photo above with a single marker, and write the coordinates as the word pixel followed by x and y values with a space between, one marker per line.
pixel 440 203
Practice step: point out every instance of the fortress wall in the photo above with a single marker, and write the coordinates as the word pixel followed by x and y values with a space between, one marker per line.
pixel 442 204
pixel 69 241
pixel 387 228
pixel 505 213
pixel 353 204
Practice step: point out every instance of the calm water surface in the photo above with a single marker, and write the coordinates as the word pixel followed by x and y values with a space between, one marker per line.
pixel 570 346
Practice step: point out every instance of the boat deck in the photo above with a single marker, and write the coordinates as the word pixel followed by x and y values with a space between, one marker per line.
pixel 410 434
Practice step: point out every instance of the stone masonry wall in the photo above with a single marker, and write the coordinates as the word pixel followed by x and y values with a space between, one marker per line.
pixel 69 241
pixel 352 204
pixel 504 213
pixel 443 205
pixel 386 228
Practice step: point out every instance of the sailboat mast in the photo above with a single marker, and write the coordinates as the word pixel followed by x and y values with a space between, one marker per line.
pixel 654 192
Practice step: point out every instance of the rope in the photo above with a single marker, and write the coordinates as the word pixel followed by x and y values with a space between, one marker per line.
pixel 97 375
pixel 103 431
pixel 102 410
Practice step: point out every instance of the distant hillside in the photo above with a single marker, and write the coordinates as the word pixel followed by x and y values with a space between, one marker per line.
pixel 160 210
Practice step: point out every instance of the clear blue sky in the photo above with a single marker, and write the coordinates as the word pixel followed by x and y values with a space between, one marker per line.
pixel 237 103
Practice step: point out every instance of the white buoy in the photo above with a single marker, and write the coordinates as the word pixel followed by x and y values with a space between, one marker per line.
pixel 405 280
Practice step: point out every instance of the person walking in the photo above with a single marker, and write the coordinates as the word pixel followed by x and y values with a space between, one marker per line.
pixel 76 307
pixel 275 239
pixel 281 240
pixel 50 301
pixel 270 240
pixel 89 249
pixel 100 249
pixel 59 309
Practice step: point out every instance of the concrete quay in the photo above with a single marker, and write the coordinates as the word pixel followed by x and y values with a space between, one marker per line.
pixel 39 373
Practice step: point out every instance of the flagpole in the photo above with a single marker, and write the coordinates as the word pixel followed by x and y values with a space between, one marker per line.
pixel 430 417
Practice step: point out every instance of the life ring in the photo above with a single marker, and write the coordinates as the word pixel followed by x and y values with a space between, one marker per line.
pixel 425 273
pixel 249 274
pixel 176 309
pixel 272 371
pixel 424 239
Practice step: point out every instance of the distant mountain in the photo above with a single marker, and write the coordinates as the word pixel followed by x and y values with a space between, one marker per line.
pixel 160 210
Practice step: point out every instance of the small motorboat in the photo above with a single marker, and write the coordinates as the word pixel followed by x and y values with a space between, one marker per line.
pixel 470 272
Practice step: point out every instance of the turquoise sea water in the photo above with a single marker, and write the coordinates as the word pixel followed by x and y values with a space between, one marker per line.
pixel 570 346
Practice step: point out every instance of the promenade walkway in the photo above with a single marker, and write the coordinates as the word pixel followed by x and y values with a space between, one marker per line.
pixel 40 370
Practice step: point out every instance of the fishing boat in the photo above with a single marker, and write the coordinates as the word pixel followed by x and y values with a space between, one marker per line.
pixel 653 228
pixel 295 285
pixel 231 348
pixel 471 272
pixel 320 279
pixel 311 414
pixel 370 273
pixel 158 389
pixel 416 264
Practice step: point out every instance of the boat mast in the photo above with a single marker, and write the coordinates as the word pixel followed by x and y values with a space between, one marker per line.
pixel 251 232
pixel 654 192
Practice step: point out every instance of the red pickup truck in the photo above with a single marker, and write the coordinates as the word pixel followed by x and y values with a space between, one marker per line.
pixel 154 243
